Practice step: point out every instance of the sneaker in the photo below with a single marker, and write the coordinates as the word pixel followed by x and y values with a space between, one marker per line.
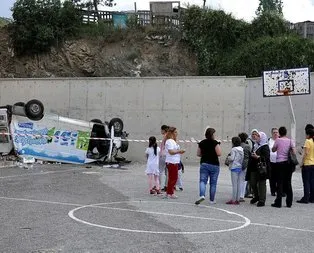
pixel 200 200
pixel 180 188
pixel 302 201
pixel 212 202
pixel 173 196
pixel 154 188
pixel 158 192
pixel 230 202
pixel 164 189
pixel 275 205
pixel 152 191
pixel 241 200
pixel 249 196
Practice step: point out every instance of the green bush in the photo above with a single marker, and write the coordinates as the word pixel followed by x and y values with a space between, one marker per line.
pixel 269 24
pixel 38 24
pixel 268 53
pixel 227 46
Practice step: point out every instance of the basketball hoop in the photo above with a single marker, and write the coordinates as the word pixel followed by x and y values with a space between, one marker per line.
pixel 285 92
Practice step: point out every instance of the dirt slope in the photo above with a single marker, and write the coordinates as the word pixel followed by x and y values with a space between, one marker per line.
pixel 145 56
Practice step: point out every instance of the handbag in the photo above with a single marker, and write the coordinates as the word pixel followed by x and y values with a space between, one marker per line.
pixel 262 168
pixel 292 158
pixel 227 161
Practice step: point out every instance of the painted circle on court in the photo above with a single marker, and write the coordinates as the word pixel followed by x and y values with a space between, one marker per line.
pixel 246 221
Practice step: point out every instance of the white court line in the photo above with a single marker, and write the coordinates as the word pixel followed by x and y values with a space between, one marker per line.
pixel 244 224
pixel 157 213
pixel 81 206
pixel 283 227
pixel 41 201
pixel 41 173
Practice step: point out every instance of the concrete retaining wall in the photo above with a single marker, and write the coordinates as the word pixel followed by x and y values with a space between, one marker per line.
pixel 229 104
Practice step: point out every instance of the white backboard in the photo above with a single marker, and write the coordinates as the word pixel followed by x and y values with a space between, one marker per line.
pixel 297 81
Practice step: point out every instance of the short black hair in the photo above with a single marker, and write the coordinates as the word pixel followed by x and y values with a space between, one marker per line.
pixel 164 127
pixel 282 131
pixel 243 136
pixel 236 141
pixel 309 132
pixel 308 126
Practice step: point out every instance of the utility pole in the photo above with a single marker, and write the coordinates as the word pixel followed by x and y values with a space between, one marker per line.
pixel 204 3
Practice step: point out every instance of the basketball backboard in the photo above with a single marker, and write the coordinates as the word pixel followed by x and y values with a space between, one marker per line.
pixel 286 82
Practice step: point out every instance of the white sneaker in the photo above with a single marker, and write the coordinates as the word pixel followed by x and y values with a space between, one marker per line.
pixel 212 202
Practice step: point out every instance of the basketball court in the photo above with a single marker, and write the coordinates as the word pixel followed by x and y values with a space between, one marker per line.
pixel 67 208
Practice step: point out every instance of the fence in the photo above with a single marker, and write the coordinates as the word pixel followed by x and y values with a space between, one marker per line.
pixel 143 18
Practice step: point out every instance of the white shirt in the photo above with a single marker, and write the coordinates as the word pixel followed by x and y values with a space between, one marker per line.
pixel 172 145
pixel 273 155
pixel 152 158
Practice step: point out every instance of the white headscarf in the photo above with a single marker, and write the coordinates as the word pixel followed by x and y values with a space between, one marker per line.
pixel 262 141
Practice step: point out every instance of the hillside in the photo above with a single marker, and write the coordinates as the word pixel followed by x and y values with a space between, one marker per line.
pixel 129 55
pixel 4 21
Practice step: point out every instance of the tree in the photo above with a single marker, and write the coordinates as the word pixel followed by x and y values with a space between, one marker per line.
pixel 268 24
pixel 269 6
pixel 39 24
pixel 93 5
pixel 109 3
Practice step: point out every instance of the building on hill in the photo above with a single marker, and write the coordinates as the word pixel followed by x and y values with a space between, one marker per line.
pixel 304 29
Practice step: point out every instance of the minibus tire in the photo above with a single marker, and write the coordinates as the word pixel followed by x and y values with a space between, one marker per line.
pixel 34 109
pixel 117 124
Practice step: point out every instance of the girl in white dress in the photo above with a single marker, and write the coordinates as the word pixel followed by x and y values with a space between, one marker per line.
pixel 152 168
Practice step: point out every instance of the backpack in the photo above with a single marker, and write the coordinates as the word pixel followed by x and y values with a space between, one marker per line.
pixel 251 143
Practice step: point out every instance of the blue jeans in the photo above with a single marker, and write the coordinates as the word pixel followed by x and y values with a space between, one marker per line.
pixel 211 171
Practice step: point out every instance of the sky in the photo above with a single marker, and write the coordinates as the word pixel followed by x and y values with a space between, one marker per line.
pixel 294 10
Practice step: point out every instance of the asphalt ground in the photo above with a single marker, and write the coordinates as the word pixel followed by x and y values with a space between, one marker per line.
pixel 69 208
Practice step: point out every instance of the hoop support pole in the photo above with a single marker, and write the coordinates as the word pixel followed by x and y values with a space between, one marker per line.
pixel 293 120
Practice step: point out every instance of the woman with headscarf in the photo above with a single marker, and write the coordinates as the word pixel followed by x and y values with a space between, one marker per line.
pixel 261 153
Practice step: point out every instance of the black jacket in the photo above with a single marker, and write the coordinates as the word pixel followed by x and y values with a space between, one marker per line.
pixel 264 153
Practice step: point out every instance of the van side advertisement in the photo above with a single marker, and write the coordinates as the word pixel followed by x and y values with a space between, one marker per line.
pixel 41 141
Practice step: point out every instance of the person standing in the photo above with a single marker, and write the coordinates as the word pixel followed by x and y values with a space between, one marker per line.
pixel 273 156
pixel 261 153
pixel 208 150
pixel 152 167
pixel 235 159
pixel 283 170
pixel 307 166
pixel 162 160
pixel 173 158
pixel 180 175
pixel 246 156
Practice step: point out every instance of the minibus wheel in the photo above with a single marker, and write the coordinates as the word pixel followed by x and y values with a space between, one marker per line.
pixel 34 109
pixel 117 124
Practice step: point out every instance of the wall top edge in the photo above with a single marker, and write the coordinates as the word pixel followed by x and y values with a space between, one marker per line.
pixel 125 78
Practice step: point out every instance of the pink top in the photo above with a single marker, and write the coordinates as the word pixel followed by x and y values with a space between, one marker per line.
pixel 283 146
pixel 162 146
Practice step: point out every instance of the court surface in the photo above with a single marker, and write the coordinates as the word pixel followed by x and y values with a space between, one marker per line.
pixel 69 208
